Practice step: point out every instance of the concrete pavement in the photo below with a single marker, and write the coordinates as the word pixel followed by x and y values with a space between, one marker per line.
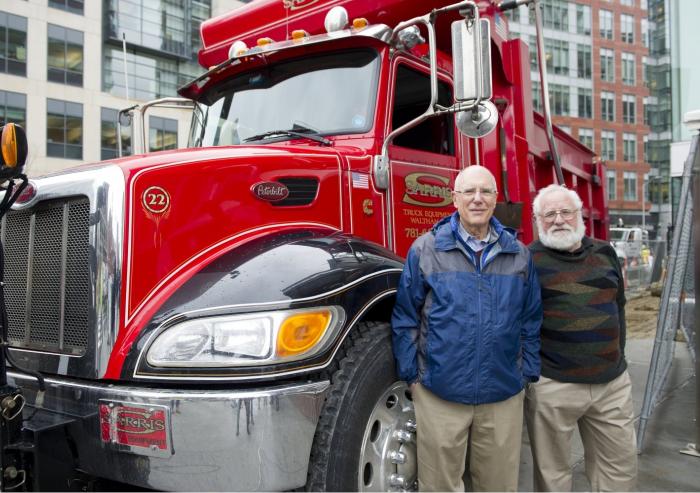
pixel 670 428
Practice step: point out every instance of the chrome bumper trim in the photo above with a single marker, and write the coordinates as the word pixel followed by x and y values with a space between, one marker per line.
pixel 226 440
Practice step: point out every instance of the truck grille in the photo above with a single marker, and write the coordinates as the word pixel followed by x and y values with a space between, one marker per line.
pixel 47 284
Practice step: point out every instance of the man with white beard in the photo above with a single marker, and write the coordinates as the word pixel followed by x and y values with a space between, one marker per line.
pixel 584 380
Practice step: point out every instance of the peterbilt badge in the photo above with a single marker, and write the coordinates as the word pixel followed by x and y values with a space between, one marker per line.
pixel 270 191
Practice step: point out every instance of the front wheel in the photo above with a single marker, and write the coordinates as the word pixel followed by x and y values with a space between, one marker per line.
pixel 365 440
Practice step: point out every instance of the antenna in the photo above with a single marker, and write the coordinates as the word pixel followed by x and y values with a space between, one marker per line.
pixel 126 76
pixel 126 86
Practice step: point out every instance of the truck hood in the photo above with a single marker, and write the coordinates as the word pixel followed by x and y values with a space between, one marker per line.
pixel 138 162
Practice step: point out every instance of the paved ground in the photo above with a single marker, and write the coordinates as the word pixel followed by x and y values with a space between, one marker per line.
pixel 671 427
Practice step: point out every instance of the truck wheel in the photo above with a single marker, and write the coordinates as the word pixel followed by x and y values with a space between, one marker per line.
pixel 365 440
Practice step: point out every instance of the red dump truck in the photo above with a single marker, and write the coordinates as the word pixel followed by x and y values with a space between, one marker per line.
pixel 217 317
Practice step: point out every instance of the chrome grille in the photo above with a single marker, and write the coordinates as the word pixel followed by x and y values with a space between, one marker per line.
pixel 47 280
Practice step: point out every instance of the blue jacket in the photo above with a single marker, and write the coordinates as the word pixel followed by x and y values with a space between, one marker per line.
pixel 468 332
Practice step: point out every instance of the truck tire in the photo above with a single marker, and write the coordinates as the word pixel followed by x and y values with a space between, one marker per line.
pixel 365 439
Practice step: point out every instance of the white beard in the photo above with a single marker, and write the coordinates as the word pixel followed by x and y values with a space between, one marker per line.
pixel 562 240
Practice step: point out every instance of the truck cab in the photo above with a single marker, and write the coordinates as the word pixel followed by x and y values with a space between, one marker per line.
pixel 217 317
pixel 629 242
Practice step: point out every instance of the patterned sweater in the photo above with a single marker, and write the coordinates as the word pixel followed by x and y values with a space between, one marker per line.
pixel 583 296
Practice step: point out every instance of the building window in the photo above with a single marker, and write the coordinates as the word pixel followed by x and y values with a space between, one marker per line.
pixel 583 58
pixel 629 103
pixel 583 19
pixel 555 15
pixel 630 180
pixel 627 28
pixel 629 147
pixel 557 56
pixel 607 106
pixel 585 137
pixel 162 134
pixel 607 145
pixel 646 71
pixel 611 176
pixel 533 53
pixel 513 15
pixel 65 61
pixel 607 65
pixel 559 99
pixel 74 6
pixel 170 26
pixel 605 21
pixel 13 108
pixel 644 4
pixel 627 3
pixel 645 146
pixel 150 77
pixel 645 33
pixel 565 128
pixel 64 129
pixel 536 95
pixel 585 102
pixel 628 69
pixel 647 111
pixel 108 135
pixel 13 44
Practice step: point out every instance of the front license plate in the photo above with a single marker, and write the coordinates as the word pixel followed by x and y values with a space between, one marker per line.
pixel 136 428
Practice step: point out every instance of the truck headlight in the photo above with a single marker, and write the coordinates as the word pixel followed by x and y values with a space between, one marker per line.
pixel 244 340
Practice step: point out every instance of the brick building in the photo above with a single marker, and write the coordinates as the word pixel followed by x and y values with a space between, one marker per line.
pixel 596 52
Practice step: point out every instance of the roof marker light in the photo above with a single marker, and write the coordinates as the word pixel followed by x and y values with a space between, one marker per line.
pixel 299 34
pixel 336 19
pixel 238 48
pixel 264 41
pixel 359 23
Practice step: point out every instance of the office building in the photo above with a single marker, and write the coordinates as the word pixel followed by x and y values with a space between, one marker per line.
pixel 63 77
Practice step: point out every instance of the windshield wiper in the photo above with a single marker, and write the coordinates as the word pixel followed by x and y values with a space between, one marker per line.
pixel 305 133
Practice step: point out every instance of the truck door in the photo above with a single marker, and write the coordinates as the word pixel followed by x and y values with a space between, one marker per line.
pixel 423 159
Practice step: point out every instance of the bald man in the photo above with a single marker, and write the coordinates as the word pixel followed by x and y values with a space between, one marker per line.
pixel 466 339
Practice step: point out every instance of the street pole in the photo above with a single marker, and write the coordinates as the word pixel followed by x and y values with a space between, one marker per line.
pixel 644 208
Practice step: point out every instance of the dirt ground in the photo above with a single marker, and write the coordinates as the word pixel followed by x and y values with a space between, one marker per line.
pixel 642 311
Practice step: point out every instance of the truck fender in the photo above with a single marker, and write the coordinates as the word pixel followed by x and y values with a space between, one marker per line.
pixel 289 270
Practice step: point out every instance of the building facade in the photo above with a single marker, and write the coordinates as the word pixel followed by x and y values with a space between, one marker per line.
pixel 595 53
pixel 63 77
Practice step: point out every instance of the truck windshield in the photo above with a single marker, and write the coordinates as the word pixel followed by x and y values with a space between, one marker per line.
pixel 617 234
pixel 321 95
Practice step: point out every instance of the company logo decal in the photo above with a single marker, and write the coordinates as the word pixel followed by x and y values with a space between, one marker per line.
pixel 298 4
pixel 27 194
pixel 134 425
pixel 427 190
pixel 156 200
pixel 271 191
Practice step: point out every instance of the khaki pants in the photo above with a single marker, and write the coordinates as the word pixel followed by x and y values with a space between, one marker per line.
pixel 605 419
pixel 443 435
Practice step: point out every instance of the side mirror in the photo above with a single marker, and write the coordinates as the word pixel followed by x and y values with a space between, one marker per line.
pixel 13 155
pixel 471 59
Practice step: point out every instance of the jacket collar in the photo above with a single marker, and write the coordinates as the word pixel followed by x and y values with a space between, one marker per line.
pixel 446 232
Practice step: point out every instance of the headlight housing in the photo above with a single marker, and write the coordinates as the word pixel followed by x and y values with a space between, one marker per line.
pixel 246 340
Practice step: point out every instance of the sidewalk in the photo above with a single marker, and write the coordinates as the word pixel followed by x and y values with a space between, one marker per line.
pixel 670 428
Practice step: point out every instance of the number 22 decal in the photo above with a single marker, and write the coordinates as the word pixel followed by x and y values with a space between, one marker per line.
pixel 156 200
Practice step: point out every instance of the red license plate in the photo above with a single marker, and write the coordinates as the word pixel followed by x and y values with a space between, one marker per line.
pixel 137 428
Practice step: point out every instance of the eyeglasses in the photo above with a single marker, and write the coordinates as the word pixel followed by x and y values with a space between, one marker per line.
pixel 566 215
pixel 470 193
